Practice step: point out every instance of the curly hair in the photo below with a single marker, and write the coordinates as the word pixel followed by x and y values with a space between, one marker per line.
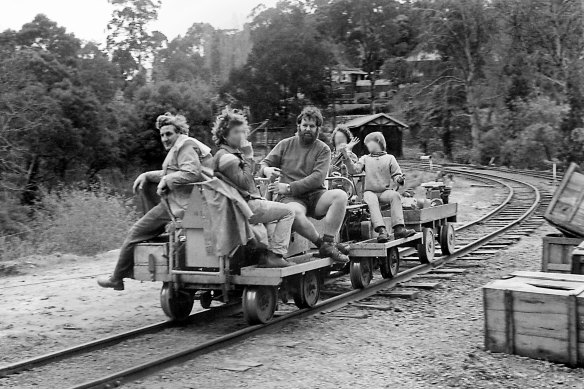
pixel 343 130
pixel 179 122
pixel 225 122
pixel 312 113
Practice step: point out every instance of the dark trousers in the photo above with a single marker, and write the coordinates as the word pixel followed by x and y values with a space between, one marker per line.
pixel 149 226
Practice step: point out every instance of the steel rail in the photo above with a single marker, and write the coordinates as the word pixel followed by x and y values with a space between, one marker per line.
pixel 332 303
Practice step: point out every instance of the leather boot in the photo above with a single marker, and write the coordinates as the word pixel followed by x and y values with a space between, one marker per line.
pixel 400 232
pixel 383 235
pixel 273 260
pixel 110 282
pixel 329 249
pixel 344 248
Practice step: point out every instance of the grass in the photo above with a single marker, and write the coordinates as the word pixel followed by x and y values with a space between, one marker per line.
pixel 73 221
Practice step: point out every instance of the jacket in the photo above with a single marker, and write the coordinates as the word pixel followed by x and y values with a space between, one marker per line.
pixel 181 167
pixel 230 217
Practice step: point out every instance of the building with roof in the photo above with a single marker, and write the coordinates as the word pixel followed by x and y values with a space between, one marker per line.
pixel 390 127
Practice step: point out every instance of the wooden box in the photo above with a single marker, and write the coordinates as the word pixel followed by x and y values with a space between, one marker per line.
pixel 151 262
pixel 537 315
pixel 566 209
pixel 578 260
pixel 557 253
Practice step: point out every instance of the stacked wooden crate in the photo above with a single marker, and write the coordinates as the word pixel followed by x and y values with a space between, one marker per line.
pixel 538 315
pixel 566 212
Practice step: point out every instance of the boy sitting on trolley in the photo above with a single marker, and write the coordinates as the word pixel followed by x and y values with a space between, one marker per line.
pixel 382 176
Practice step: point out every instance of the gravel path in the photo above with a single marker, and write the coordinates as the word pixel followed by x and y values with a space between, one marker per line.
pixel 435 341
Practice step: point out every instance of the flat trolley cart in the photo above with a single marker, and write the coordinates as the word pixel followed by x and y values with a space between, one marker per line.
pixel 431 224
pixel 189 267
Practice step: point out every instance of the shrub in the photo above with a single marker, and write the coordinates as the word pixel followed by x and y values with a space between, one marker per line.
pixel 82 222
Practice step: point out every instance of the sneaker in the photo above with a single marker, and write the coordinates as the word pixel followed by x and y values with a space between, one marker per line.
pixel 110 282
pixel 329 249
pixel 383 235
pixel 400 232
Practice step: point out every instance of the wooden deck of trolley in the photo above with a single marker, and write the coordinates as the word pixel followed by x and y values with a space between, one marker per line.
pixel 253 275
pixel 371 248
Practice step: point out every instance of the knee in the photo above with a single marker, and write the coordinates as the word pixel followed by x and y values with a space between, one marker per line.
pixel 339 196
pixel 394 195
pixel 296 210
pixel 370 197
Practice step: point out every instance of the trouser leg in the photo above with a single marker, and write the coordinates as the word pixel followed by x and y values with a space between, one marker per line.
pixel 147 197
pixel 148 227
pixel 279 218
pixel 372 201
pixel 394 199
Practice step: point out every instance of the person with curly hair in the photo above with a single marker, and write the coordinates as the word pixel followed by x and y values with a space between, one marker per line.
pixel 182 166
pixel 302 163
pixel 342 138
pixel 234 163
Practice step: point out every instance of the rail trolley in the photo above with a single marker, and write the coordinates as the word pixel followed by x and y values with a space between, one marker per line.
pixel 186 261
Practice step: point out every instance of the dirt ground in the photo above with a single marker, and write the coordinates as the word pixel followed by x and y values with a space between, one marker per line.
pixel 433 341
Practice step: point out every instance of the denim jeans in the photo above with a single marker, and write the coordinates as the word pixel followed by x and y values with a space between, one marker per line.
pixel 278 218
pixel 387 197
pixel 149 226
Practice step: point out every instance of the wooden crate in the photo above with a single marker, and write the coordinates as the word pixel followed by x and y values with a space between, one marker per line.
pixel 557 253
pixel 566 210
pixel 537 315
pixel 151 262
pixel 578 260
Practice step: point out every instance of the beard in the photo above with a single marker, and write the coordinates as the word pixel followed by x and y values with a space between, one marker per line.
pixel 308 137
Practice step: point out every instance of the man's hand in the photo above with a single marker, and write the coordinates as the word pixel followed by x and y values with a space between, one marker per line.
pixel 401 180
pixel 246 148
pixel 344 151
pixel 279 188
pixel 139 183
pixel 162 187
pixel 271 171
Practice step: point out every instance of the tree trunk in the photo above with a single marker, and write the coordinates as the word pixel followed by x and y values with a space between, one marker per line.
pixel 372 92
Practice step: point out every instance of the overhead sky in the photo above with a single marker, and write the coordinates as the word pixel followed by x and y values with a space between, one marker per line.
pixel 87 19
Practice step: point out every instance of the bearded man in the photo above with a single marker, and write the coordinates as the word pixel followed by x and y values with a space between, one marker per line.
pixel 302 163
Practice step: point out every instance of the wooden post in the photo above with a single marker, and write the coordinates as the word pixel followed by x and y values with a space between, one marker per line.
pixel 554 174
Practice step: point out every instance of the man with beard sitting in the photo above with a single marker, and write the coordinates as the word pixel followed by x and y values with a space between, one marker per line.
pixel 302 162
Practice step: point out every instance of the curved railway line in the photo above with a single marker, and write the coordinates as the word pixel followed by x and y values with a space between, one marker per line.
pixel 519 214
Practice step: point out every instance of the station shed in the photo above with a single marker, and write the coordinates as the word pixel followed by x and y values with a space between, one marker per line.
pixel 390 127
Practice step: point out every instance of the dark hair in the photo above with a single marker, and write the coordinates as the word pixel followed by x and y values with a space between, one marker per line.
pixel 311 112
pixel 343 130
pixel 225 122
pixel 179 122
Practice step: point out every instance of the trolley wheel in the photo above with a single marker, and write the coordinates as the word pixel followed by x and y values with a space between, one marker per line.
pixel 177 305
pixel 206 298
pixel 308 291
pixel 389 266
pixel 361 273
pixel 447 239
pixel 259 304
pixel 427 248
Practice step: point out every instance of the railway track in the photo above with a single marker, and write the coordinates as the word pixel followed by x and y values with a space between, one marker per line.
pixel 519 214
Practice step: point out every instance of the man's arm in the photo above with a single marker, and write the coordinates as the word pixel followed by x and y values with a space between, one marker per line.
pixel 315 179
pixel 189 168
pixel 154 176
pixel 239 172
pixel 273 159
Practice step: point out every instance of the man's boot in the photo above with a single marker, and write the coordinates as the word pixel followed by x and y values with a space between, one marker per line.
pixel 329 249
pixel 110 282
pixel 383 235
pixel 400 232
pixel 344 248
pixel 273 260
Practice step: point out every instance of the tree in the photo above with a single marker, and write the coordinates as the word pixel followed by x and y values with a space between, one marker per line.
pixel 461 32
pixel 370 30
pixel 286 67
pixel 129 41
